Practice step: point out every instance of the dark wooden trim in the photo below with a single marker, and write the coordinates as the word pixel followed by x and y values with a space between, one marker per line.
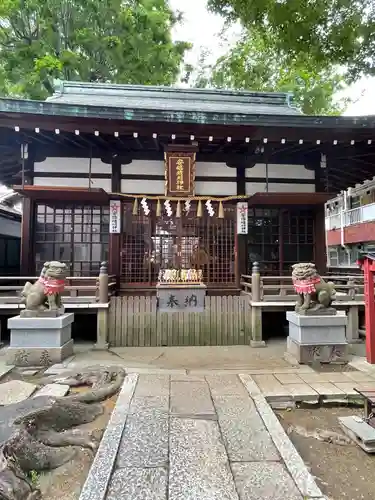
pixel 294 198
pixel 115 239
pixel 211 178
pixel 64 194
pixel 236 157
pixel 199 178
pixel 116 175
pixel 280 180
pixel 180 148
pixel 241 239
pixel 29 164
pixel 153 177
pixel 72 175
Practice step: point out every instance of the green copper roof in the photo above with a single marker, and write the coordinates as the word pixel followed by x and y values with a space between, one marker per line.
pixel 173 100
pixel 175 105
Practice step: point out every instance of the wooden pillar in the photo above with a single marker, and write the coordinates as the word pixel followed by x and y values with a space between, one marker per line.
pixel 103 311
pixel 320 241
pixel 115 239
pixel 256 310
pixel 314 164
pixel 241 239
pixel 369 311
pixel 352 328
pixel 27 258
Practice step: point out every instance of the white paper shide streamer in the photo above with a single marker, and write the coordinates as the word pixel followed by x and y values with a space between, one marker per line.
pixel 210 210
pixel 187 206
pixel 145 206
pixel 168 208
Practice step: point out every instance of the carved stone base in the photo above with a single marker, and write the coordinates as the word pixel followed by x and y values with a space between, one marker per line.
pixel 328 311
pixel 318 330
pixel 46 313
pixel 39 356
pixel 307 354
pixel 40 341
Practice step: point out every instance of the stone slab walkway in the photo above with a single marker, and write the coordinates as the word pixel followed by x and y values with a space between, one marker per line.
pixel 181 437
pixel 312 386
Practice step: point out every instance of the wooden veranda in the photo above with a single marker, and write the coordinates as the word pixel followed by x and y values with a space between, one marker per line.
pixel 134 320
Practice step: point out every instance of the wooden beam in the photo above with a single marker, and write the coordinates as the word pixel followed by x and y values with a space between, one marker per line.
pixel 225 157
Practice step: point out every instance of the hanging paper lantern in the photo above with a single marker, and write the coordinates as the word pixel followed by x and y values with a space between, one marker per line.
pixel 210 210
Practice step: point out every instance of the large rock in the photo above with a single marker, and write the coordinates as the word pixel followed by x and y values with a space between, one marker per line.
pixel 9 413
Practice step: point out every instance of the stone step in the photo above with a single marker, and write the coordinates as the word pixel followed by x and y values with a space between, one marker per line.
pixel 359 431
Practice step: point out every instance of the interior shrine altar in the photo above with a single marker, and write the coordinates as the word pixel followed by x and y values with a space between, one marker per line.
pixel 181 290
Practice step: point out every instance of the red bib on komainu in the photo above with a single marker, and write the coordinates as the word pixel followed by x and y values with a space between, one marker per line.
pixel 305 286
pixel 52 285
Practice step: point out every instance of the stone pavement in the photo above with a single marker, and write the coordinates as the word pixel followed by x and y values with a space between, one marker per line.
pixel 285 388
pixel 181 437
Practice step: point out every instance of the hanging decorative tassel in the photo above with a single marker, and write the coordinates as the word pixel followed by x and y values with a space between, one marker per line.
pixel 135 206
pixel 199 209
pixel 178 210
pixel 221 211
pixel 158 209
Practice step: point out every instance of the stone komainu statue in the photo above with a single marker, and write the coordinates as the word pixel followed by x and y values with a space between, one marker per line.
pixel 45 294
pixel 314 294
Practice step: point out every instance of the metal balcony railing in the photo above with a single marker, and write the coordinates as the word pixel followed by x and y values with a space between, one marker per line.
pixel 345 218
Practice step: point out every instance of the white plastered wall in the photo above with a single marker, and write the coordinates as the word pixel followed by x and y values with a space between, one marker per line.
pixel 227 187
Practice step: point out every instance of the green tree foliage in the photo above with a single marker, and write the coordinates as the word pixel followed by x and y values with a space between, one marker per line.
pixel 118 41
pixel 254 63
pixel 339 32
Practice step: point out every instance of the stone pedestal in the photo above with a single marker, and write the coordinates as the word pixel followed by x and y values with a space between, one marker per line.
pixel 181 297
pixel 317 338
pixel 39 341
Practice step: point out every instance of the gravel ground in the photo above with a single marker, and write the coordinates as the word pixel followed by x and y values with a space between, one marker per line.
pixel 342 472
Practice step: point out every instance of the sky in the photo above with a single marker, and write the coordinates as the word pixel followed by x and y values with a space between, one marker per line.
pixel 201 28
